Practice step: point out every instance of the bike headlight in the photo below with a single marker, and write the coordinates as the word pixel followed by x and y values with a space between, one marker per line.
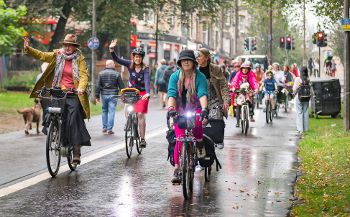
pixel 130 109
pixel 189 114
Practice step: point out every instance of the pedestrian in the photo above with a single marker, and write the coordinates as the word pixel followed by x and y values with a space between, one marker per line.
pixel 302 107
pixel 317 69
pixel 108 84
pixel 311 65
pixel 67 69
pixel 169 71
pixel 152 75
pixel 139 79
pixel 160 83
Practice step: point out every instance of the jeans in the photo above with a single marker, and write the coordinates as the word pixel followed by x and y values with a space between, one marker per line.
pixel 302 115
pixel 109 103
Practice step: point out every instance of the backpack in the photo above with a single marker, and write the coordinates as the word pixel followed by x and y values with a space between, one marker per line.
pixel 210 157
pixel 304 91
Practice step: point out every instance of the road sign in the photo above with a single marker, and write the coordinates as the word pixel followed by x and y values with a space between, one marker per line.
pixel 345 24
pixel 93 43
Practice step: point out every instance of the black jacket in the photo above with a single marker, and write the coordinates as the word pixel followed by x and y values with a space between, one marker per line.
pixel 108 82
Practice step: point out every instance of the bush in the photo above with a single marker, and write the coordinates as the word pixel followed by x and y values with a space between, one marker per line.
pixel 21 81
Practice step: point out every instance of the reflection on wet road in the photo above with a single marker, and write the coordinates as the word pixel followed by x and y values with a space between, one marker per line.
pixel 256 180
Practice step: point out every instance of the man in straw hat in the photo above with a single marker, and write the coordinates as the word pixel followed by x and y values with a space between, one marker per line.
pixel 67 70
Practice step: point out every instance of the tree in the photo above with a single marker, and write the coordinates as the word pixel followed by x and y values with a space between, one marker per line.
pixel 10 31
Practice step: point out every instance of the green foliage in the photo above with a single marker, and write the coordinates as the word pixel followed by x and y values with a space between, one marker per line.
pixel 10 31
pixel 337 43
pixel 324 187
pixel 22 79
pixel 333 9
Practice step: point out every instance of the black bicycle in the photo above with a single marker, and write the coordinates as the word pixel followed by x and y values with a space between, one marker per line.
pixel 130 96
pixel 269 112
pixel 54 101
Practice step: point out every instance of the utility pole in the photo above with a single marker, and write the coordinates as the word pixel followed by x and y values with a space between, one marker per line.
pixel 304 46
pixel 270 33
pixel 236 27
pixel 346 71
pixel 93 53
pixel 157 31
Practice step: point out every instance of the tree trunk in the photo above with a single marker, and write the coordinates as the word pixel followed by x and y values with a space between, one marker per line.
pixel 61 25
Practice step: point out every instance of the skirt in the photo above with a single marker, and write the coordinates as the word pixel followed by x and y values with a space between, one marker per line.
pixel 142 105
pixel 74 128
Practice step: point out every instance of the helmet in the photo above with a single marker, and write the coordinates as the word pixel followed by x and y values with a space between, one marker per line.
pixel 257 65
pixel 246 65
pixel 138 51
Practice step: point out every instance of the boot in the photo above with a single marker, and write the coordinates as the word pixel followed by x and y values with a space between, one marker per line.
pixel 76 154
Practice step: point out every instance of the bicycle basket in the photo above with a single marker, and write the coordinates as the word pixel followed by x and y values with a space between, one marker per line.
pixel 130 98
pixel 186 121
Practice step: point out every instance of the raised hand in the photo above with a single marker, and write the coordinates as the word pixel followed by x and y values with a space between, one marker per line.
pixel 113 43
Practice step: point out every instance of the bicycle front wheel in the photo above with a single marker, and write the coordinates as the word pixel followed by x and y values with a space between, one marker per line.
pixel 246 119
pixel 268 111
pixel 286 103
pixel 186 172
pixel 53 146
pixel 129 138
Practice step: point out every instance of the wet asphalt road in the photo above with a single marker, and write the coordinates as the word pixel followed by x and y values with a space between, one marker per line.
pixel 256 179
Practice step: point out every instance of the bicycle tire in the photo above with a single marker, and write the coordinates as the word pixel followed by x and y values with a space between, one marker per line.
pixel 129 139
pixel 185 172
pixel 267 113
pixel 286 103
pixel 246 119
pixel 71 165
pixel 53 145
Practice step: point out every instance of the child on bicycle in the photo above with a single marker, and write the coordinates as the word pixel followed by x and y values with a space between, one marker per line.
pixel 270 87
pixel 187 91
pixel 245 75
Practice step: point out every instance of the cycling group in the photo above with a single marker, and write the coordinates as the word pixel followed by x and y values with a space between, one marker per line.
pixel 274 85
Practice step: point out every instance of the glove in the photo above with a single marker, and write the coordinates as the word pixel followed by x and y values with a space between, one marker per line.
pixel 171 112
pixel 204 113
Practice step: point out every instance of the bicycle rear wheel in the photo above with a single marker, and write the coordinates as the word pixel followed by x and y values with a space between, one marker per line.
pixel 129 139
pixel 268 113
pixel 186 172
pixel 53 145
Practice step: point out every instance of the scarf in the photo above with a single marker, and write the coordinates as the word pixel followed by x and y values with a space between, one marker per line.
pixel 60 62
pixel 191 91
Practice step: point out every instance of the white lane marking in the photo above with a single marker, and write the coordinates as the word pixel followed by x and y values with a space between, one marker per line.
pixel 41 177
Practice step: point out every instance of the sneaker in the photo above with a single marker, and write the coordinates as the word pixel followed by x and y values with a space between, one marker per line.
pixel 163 106
pixel 110 133
pixel 104 130
pixel 238 125
pixel 220 145
pixel 143 143
pixel 252 119
pixel 176 176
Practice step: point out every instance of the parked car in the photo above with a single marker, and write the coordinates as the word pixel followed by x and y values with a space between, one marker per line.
pixel 261 59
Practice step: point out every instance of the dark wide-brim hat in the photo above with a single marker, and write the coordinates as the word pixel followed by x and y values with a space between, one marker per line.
pixel 187 55
pixel 71 39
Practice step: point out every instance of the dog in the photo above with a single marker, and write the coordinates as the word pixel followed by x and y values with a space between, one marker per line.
pixel 31 115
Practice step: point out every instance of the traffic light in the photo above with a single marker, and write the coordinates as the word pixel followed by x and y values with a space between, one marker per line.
pixel 325 40
pixel 253 44
pixel 282 42
pixel 246 44
pixel 288 43
pixel 320 38
pixel 314 38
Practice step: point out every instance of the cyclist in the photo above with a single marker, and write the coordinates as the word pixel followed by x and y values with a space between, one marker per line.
pixel 187 91
pixel 67 70
pixel 279 77
pixel 269 85
pixel 260 76
pixel 139 79
pixel 245 75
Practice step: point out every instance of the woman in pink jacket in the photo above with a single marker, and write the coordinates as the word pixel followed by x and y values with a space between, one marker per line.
pixel 245 75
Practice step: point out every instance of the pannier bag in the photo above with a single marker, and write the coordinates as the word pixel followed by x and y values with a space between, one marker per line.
pixel 215 129
pixel 210 157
